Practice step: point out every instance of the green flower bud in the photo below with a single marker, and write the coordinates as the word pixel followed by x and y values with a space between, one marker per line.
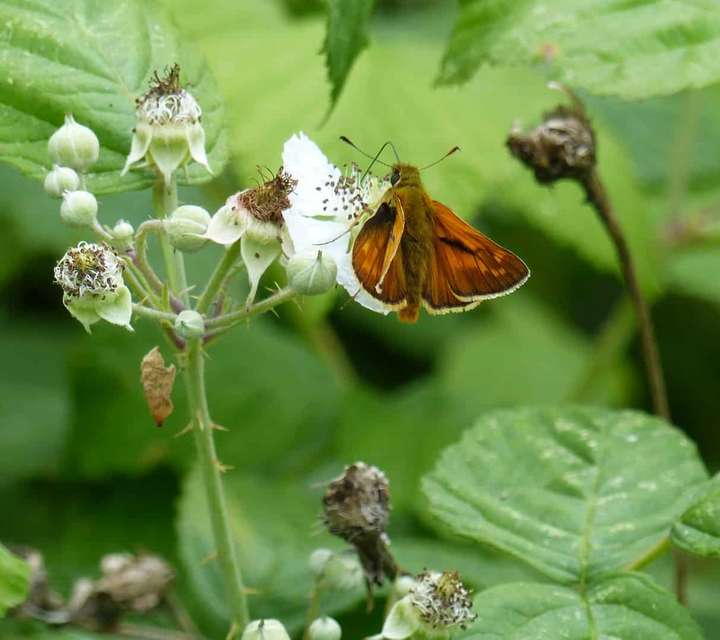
pixel 336 571
pixel 186 228
pixel 311 272
pixel 60 180
pixel 318 560
pixel 324 629
pixel 123 234
pixel 79 209
pixel 189 324
pixel 74 145
pixel 265 630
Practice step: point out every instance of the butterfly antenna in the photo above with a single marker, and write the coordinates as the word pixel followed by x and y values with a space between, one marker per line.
pixel 376 157
pixel 432 164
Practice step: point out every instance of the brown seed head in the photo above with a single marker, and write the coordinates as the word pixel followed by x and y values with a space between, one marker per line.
pixel 267 201
pixel 563 146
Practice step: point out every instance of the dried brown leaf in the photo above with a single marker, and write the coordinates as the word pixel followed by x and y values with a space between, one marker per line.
pixel 157 381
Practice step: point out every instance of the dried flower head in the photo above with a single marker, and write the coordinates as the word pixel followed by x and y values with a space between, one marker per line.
pixel 442 600
pixel 357 508
pixel 436 605
pixel 268 201
pixel 90 276
pixel 137 583
pixel 563 146
pixel 168 131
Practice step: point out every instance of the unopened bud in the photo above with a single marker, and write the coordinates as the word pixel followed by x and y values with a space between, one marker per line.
pixel 189 324
pixel 123 234
pixel 336 571
pixel 186 228
pixel 311 272
pixel 324 629
pixel 79 209
pixel 74 145
pixel 265 630
pixel 60 180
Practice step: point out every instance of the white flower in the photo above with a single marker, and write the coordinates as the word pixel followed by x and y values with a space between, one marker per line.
pixel 168 132
pixel 90 276
pixel 437 604
pixel 255 217
pixel 325 207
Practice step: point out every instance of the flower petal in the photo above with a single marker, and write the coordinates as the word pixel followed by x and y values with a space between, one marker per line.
pixel 82 310
pixel 402 621
pixel 196 143
pixel 258 256
pixel 227 225
pixel 142 136
pixel 116 309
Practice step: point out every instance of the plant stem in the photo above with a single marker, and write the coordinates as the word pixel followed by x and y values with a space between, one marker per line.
pixel 139 257
pixel 218 277
pixel 153 313
pixel 165 198
pixel 211 469
pixel 229 319
pixel 597 196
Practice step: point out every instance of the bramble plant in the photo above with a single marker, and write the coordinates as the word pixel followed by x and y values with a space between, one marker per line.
pixel 549 519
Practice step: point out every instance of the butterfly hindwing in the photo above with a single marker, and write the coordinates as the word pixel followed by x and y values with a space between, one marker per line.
pixel 377 256
pixel 465 266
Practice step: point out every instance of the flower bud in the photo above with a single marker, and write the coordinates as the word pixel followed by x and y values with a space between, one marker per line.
pixel 79 209
pixel 74 145
pixel 189 324
pixel 60 180
pixel 123 234
pixel 324 629
pixel 311 272
pixel 318 560
pixel 266 629
pixel 336 571
pixel 186 228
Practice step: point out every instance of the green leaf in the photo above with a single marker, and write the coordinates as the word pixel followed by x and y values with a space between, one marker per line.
pixel 14 580
pixel 345 38
pixel 698 529
pixel 574 492
pixel 692 271
pixel 623 606
pixel 56 60
pixel 630 48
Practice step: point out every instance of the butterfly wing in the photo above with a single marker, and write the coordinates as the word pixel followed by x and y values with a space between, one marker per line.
pixel 466 267
pixel 377 256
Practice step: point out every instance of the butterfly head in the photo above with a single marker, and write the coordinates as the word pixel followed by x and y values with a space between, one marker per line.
pixel 405 175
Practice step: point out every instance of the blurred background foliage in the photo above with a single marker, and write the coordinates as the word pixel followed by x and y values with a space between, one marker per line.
pixel 83 471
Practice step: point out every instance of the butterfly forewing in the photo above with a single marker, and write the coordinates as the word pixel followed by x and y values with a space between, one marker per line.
pixel 465 266
pixel 377 256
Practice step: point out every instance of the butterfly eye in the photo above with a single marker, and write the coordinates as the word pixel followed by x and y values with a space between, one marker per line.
pixel 395 177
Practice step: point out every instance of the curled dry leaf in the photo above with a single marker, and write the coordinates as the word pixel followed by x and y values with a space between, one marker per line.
pixel 157 381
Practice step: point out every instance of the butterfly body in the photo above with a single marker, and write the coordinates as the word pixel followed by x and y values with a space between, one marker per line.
pixel 416 252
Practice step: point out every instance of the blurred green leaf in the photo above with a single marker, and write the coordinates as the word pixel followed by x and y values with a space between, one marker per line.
pixel 345 38
pixel 634 48
pixel 698 529
pixel 56 60
pixel 574 492
pixel 14 579
pixel 33 630
pixel 285 82
pixel 693 270
pixel 529 356
pixel 34 401
pixel 621 606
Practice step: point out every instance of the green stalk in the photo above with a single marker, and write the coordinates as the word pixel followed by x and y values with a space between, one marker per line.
pixel 165 200
pixel 210 466
pixel 218 277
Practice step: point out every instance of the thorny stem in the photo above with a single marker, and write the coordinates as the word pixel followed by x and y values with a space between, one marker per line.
pixel 153 313
pixel 140 255
pixel 192 362
pixel 211 469
pixel 597 196
pixel 217 278
pixel 227 320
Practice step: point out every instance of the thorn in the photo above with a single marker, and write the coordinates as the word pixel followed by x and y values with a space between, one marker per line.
pixel 187 429
pixel 222 468
pixel 251 591
pixel 297 303
pixel 218 427
pixel 275 313
pixel 198 417
pixel 210 557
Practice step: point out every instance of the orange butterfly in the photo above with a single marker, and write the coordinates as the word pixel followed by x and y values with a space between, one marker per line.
pixel 415 251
